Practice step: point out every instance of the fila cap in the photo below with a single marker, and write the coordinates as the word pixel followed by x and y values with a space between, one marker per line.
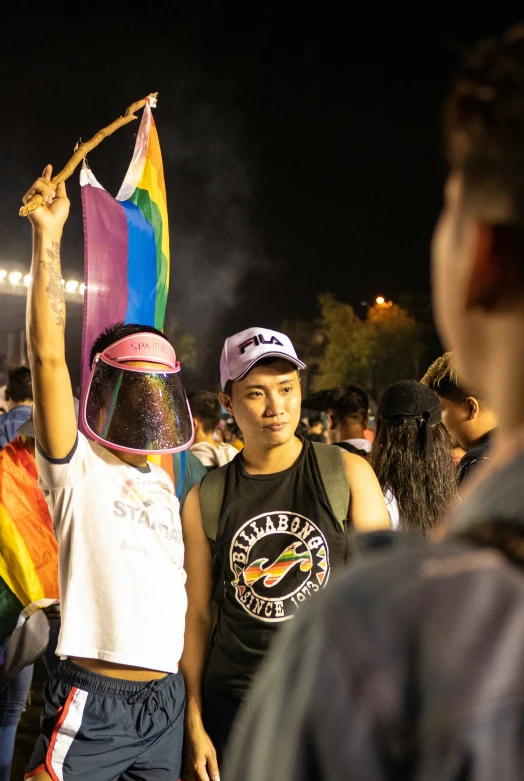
pixel 243 350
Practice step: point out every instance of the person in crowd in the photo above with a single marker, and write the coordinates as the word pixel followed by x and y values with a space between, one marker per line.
pixel 188 471
pixel 19 398
pixel 411 665
pixel 303 431
pixel 411 457
pixel 3 402
pixel 277 519
pixel 115 706
pixel 316 429
pixel 469 420
pixel 207 411
pixel 236 438
pixel 349 417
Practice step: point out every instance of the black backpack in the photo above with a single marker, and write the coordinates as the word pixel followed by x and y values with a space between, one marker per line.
pixel 332 473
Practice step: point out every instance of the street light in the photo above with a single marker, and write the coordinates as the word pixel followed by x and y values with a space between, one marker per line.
pixel 3 274
pixel 15 277
pixel 380 300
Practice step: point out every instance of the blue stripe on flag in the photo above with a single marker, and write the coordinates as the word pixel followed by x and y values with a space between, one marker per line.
pixel 183 464
pixel 141 267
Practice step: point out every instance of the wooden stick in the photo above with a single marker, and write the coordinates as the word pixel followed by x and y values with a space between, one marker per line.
pixel 82 150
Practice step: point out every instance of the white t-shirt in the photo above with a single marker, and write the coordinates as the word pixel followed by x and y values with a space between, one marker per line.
pixel 214 455
pixel 121 558
pixel 392 508
pixel 360 444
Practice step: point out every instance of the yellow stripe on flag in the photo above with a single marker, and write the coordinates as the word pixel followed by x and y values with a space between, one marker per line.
pixel 149 181
pixel 16 565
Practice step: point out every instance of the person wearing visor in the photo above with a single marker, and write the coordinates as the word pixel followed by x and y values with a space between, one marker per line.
pixel 275 521
pixel 114 708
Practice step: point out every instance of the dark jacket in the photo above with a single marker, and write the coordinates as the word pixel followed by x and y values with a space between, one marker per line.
pixel 474 457
pixel 11 421
pixel 409 668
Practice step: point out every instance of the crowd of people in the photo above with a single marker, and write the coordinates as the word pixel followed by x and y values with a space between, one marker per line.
pixel 317 595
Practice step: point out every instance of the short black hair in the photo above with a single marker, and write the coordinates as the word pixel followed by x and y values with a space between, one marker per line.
pixel 314 420
pixel 206 407
pixel 484 126
pixel 350 402
pixel 117 331
pixel 19 385
pixel 267 361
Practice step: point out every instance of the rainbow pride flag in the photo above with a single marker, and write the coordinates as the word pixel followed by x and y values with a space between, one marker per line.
pixel 28 547
pixel 126 255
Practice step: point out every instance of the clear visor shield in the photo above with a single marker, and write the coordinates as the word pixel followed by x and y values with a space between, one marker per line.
pixel 137 410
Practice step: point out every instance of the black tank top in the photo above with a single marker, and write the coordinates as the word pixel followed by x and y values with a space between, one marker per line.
pixel 277 541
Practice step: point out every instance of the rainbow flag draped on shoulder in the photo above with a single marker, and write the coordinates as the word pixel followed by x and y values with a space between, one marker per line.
pixel 126 262
pixel 28 547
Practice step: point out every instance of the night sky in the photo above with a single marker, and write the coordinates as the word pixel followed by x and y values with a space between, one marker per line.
pixel 301 147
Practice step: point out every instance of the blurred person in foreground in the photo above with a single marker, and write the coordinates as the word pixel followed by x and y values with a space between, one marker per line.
pixel 411 457
pixel 18 399
pixel 410 667
pixel 273 523
pixel 469 420
pixel 207 411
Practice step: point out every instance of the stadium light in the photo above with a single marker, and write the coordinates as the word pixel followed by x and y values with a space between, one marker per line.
pixel 19 278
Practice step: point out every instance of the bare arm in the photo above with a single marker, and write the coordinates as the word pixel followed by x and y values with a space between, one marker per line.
pixel 198 563
pixel 367 508
pixel 54 414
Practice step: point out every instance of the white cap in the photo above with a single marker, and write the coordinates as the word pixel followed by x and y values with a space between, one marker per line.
pixel 243 350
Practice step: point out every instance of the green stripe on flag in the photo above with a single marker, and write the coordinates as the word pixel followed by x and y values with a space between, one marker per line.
pixel 151 212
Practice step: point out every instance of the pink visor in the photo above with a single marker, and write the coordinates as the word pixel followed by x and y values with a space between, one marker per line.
pixel 143 347
pixel 138 409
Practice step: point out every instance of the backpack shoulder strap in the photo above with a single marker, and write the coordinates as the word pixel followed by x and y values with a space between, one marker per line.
pixel 331 466
pixel 212 490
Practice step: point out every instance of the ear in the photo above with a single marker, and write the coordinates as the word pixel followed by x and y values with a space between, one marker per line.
pixel 473 407
pixel 225 400
pixel 495 270
pixel 196 424
pixel 332 421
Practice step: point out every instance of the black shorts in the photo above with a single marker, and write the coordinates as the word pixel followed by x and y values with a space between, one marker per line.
pixel 95 728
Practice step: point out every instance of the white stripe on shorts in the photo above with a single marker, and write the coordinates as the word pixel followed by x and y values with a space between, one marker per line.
pixel 66 730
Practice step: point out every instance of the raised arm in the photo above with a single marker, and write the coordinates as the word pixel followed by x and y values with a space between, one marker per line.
pixel 201 761
pixel 367 507
pixel 54 414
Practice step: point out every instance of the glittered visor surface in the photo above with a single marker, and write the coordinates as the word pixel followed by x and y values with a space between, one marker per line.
pixel 137 411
